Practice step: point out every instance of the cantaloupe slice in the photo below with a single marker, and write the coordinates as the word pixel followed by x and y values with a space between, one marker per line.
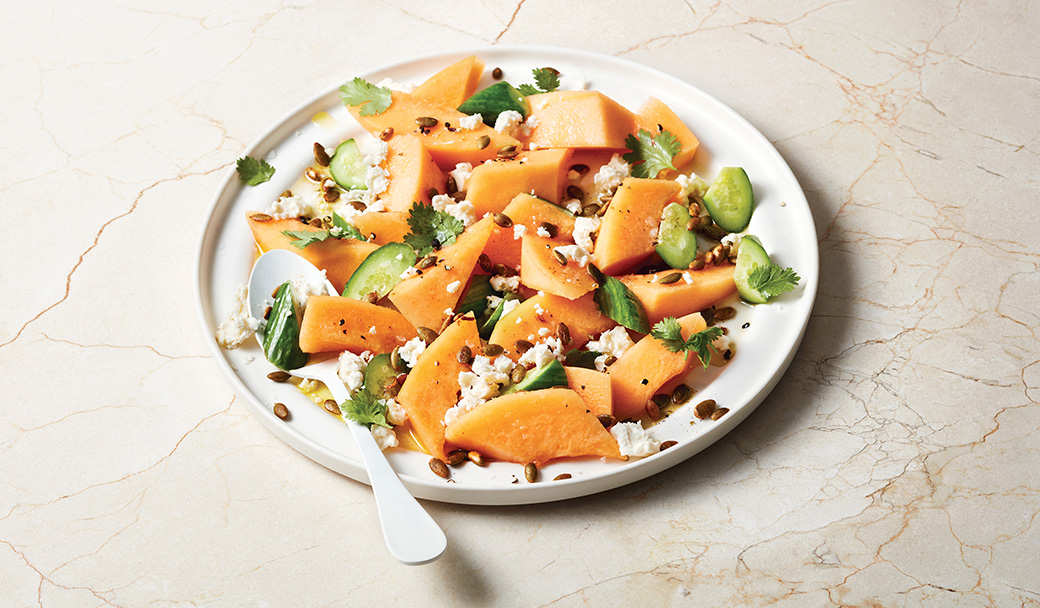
pixel 540 317
pixel 629 230
pixel 577 119
pixel 503 248
pixel 540 269
pixel 339 257
pixel 655 115
pixel 542 173
pixel 639 373
pixel 707 288
pixel 425 297
pixel 533 426
pixel 432 386
pixel 593 387
pixel 387 226
pixel 452 85
pixel 412 173
pixel 448 147
pixel 335 323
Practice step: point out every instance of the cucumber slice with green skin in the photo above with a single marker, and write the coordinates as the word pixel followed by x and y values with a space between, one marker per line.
pixel 282 333
pixel 750 256
pixel 581 358
pixel 494 100
pixel 488 326
pixel 379 374
pixel 380 271
pixel 547 376
pixel 475 298
pixel 676 245
pixel 617 302
pixel 730 199
pixel 347 166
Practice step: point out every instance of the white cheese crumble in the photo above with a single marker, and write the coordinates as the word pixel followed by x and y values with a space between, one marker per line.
pixel 288 207
pixel 581 84
pixel 377 153
pixel 473 121
pixel 573 205
pixel 461 174
pixel 611 175
pixel 411 271
pixel 527 125
pixel 385 438
pixel 687 278
pixel 507 121
pixel 453 286
pixel 577 253
pixel 538 310
pixel 611 343
pixel 390 83
pixel 448 312
pixel 733 241
pixel 411 350
pixel 543 331
pixel 542 232
pixel 584 228
pixel 238 327
pixel 303 290
pixel 543 353
pixel 307 385
pixel 499 283
pixel 395 412
pixel 633 440
pixel 691 184
pixel 462 210
pixel 479 385
pixel 351 369
pixel 518 231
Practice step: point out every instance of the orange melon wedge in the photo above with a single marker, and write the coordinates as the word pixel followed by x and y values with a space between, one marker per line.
pixel 654 115
pixel 629 230
pixel 541 173
pixel 452 85
pixel 334 323
pixel 707 288
pixel 540 269
pixel 502 246
pixel 412 173
pixel 577 119
pixel 593 387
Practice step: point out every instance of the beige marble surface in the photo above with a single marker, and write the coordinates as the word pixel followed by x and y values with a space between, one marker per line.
pixel 897 463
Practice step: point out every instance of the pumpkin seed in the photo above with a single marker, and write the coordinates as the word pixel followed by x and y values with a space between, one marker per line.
pixel 708 314
pixel 668 444
pixel 727 312
pixel 575 192
pixel 285 194
pixel 562 476
pixel 606 420
pixel 660 399
pixel 396 361
pixel 496 73
pixel 332 407
pixel 522 346
pixel 697 264
pixel 559 257
pixel 426 262
pixel 432 192
pixel 465 355
pixel 267 313
pixel 439 468
pixel 484 262
pixel 316 222
pixel 704 408
pixel 312 175
pixel 517 374
pixel 507 151
pixel 386 134
pixel 550 228
pixel 610 360
pixel 372 297
pixel 426 334
pixel 392 389
pixel 719 413
pixel 653 412
pixel 483 141
pixel 320 155
pixel 450 186
pixel 680 394
pixel 476 458
pixel 358 205
pixel 603 208
pixel 668 279
pixel 279 376
pixel 580 169
pixel 531 472
pixel 426 122
pixel 456 457
pixel 281 411
pixel 261 217
pixel 563 333
pixel 331 196
pixel 694 223
pixel 503 220
pixel 715 233
pixel 596 274
pixel 589 210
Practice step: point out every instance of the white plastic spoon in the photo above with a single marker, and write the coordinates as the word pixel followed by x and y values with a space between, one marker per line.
pixel 411 534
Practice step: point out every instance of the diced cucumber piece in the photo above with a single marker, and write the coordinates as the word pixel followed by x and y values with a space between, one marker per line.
pixel 379 374
pixel 730 199
pixel 547 376
pixel 581 358
pixel 676 245
pixel 750 255
pixel 380 271
pixel 347 166
pixel 485 328
pixel 282 333
pixel 616 301
pixel 475 298
pixel 494 100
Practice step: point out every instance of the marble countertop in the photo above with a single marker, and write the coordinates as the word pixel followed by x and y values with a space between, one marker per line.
pixel 896 464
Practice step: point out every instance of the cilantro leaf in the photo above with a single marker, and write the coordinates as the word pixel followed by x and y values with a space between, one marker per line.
pixel 669 332
pixel 547 79
pixel 304 238
pixel 253 172
pixel 364 408
pixel 771 280
pixel 431 229
pixel 342 229
pixel 359 92
pixel 649 154
pixel 528 89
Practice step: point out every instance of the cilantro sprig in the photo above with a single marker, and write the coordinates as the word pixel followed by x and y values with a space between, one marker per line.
pixel 771 280
pixel 649 154
pixel 431 229
pixel 253 172
pixel 669 332
pixel 341 229
pixel 546 80
pixel 364 408
pixel 362 94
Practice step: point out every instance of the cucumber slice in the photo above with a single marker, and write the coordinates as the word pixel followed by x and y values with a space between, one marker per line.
pixel 730 199
pixel 380 271
pixel 494 100
pixel 676 245
pixel 617 302
pixel 750 256
pixel 347 166
pixel 379 374
pixel 488 326
pixel 581 358
pixel 547 376
pixel 282 334
pixel 475 298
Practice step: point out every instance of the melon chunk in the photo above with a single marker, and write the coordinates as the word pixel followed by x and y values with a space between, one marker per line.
pixel 539 269
pixel 412 173
pixel 542 173
pixel 629 230
pixel 540 317
pixel 452 85
pixel 447 147
pixel 387 226
pixel 655 115
pixel 338 257
pixel 425 297
pixel 533 426
pixel 646 367
pixel 334 323
pixel 577 119
pixel 707 288
pixel 502 246
pixel 432 386
pixel 593 387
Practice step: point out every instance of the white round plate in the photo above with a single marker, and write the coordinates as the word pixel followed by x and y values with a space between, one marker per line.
pixel 764 349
